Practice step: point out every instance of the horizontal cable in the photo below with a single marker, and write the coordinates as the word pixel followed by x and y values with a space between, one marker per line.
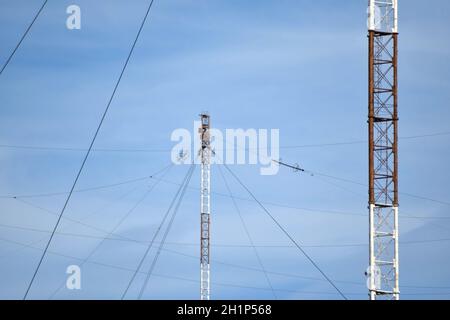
pixel 117 237
pixel 129 270
pixel 166 150
pixel 273 204
pixel 93 188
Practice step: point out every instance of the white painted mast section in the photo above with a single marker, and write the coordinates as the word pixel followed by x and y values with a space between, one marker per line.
pixel 371 10
pixel 372 264
pixel 396 256
pixel 205 206
pixel 383 16
pixel 395 8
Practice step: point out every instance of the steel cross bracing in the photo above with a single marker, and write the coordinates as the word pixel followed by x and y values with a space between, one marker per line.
pixel 383 151
pixel 205 206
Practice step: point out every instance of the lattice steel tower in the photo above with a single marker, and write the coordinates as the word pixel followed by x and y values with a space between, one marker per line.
pixel 383 150
pixel 205 205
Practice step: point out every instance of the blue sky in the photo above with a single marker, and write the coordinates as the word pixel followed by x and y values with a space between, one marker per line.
pixel 299 66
